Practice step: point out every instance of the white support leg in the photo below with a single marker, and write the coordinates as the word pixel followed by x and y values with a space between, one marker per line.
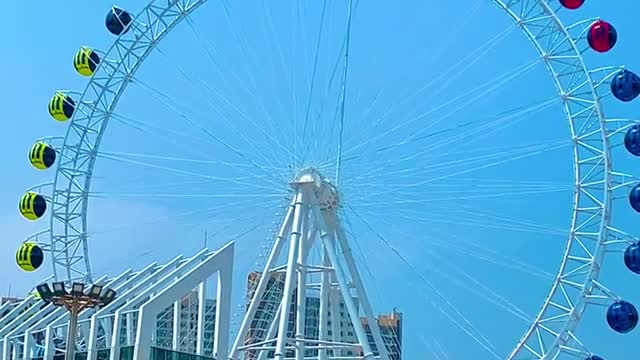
pixel 6 348
pixel 325 289
pixel 115 337
pixel 357 282
pixel 301 301
pixel 14 352
pixel 335 283
pixel 130 329
pixel 335 319
pixel 202 311
pixel 92 352
pixel 296 235
pixel 272 331
pixel 327 237
pixel 223 313
pixel 262 283
pixel 108 330
pixel 177 309
pixel 28 345
pixel 49 346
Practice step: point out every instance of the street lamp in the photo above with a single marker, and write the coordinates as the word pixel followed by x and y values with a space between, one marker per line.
pixel 75 301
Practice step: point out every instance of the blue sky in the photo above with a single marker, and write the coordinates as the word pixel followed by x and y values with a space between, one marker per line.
pixel 469 231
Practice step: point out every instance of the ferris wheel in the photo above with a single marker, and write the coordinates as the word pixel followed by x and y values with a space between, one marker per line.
pixel 349 121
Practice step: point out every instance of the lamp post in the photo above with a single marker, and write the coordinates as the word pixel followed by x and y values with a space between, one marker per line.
pixel 75 301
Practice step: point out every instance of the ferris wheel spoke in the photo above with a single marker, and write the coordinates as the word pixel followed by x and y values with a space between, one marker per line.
pixel 361 257
pixel 433 191
pixel 468 219
pixel 286 76
pixel 231 148
pixel 478 93
pixel 221 226
pixel 436 191
pixel 428 57
pixel 218 109
pixel 186 160
pixel 466 246
pixel 294 71
pixel 457 317
pixel 475 219
pixel 364 264
pixel 140 183
pixel 438 350
pixel 163 133
pixel 236 110
pixel 473 134
pixel 312 85
pixel 343 92
pixel 469 164
pixel 247 228
pixel 208 212
pixel 239 40
pixel 455 71
pixel 468 60
pixel 469 133
pixel 490 296
pixel 455 198
pixel 200 195
pixel 486 183
pixel 327 117
pixel 466 171
pixel 210 50
pixel 491 164
pixel 236 180
pixel 479 253
pixel 276 128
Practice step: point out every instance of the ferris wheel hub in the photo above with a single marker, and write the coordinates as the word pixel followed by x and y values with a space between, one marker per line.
pixel 325 191
pixel 309 176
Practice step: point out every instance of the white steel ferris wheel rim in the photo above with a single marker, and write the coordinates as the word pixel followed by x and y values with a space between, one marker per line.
pixel 68 225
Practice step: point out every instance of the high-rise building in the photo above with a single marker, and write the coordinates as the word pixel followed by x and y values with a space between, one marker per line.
pixel 391 329
pixel 266 308
pixel 390 325
pixel 8 300
pixel 188 325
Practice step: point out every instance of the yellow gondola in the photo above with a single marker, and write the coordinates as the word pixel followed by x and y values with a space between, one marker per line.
pixel 61 107
pixel 32 206
pixel 42 155
pixel 29 256
pixel 86 61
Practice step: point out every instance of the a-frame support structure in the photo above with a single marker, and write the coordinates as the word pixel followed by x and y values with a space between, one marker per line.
pixel 311 222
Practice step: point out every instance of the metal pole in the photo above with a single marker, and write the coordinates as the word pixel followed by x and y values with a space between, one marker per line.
pixel 296 234
pixel 362 295
pixel 325 287
pixel 272 332
pixel 73 330
pixel 335 320
pixel 301 301
pixel 327 237
pixel 262 283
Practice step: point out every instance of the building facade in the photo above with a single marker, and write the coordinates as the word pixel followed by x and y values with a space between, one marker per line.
pixel 390 325
pixel 188 312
